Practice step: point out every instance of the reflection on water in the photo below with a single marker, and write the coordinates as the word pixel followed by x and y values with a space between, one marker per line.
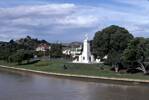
pixel 25 86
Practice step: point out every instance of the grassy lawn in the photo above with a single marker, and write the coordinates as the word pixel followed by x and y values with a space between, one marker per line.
pixel 81 69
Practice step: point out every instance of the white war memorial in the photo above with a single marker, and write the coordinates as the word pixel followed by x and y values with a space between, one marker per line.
pixel 86 56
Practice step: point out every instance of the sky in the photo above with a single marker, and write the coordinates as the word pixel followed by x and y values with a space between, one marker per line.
pixel 70 20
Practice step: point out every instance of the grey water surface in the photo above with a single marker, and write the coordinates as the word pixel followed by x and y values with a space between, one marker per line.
pixel 27 86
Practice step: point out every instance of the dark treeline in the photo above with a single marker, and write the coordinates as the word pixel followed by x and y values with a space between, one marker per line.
pixel 24 49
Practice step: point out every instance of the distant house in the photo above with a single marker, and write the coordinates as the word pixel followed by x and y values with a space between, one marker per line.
pixel 43 47
pixel 66 51
pixel 73 51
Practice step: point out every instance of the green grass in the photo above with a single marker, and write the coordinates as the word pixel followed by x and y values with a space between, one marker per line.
pixel 81 69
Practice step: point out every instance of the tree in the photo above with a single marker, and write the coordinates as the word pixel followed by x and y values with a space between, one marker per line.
pixel 136 53
pixel 11 47
pixel 17 57
pixel 20 56
pixel 11 41
pixel 30 43
pixel 28 55
pixel 111 41
pixel 56 50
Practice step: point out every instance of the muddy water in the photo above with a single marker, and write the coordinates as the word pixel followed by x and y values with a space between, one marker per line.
pixel 26 86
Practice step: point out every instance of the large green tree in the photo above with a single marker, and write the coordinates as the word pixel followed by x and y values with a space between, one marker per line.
pixel 111 41
pixel 136 53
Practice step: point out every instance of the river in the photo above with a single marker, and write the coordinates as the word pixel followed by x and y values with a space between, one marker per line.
pixel 27 86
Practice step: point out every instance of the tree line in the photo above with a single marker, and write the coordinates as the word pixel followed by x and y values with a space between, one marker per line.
pixel 24 50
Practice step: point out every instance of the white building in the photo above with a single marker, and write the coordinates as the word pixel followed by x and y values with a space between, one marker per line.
pixel 66 52
pixel 43 47
pixel 86 56
pixel 73 51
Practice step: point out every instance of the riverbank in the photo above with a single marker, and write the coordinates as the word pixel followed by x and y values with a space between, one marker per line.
pixel 77 76
pixel 57 66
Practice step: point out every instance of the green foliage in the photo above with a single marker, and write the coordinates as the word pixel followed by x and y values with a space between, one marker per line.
pixel 10 48
pixel 20 56
pixel 56 50
pixel 137 50
pixel 111 41
pixel 30 43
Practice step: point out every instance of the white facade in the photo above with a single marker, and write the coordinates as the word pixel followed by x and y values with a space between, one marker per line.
pixel 72 51
pixel 40 49
pixel 66 52
pixel 86 56
pixel 43 47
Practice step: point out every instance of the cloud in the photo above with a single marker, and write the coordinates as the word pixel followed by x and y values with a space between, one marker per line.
pixel 68 21
pixel 47 19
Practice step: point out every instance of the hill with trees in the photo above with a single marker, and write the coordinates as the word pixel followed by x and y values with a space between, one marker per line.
pixel 13 50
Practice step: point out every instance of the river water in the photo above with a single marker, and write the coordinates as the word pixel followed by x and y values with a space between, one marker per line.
pixel 27 86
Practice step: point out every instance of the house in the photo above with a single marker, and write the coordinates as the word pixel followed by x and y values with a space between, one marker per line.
pixel 43 47
pixel 73 51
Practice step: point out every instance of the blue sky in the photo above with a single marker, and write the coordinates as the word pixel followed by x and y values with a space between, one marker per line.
pixel 70 20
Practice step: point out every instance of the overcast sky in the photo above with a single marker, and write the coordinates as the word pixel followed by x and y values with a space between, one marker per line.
pixel 70 20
